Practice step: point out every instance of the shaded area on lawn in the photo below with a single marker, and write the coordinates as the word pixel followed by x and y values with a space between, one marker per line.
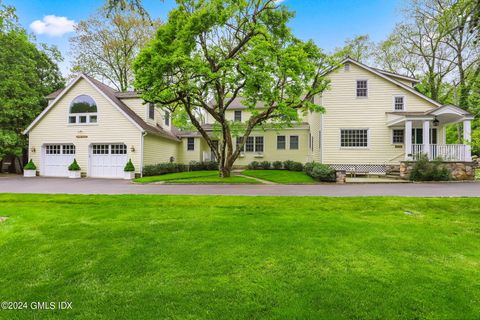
pixel 195 177
pixel 213 257
pixel 280 176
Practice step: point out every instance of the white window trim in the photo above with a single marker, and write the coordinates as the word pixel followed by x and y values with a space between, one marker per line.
pixel 290 143
pixel 368 89
pixel 194 144
pixel 254 145
pixel 353 148
pixel 391 137
pixel 404 103
pixel 241 115
pixel 77 121
pixel 147 111
pixel 285 141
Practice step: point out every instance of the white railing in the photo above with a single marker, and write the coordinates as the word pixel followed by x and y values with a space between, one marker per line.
pixel 448 152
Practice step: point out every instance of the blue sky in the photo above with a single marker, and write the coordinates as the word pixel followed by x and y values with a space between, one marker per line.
pixel 327 22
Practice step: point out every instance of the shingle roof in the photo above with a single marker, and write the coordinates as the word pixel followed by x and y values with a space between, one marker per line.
pixel 110 93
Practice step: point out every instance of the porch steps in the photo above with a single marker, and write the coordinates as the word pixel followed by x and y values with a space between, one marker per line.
pixel 394 174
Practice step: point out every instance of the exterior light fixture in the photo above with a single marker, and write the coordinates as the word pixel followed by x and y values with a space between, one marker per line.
pixel 132 148
pixel 435 122
pixel 33 149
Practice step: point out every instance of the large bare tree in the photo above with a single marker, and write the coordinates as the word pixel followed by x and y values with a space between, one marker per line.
pixel 106 44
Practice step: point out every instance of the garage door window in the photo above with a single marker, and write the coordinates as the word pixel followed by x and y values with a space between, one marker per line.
pixel 119 149
pixel 53 149
pixel 68 149
pixel 100 149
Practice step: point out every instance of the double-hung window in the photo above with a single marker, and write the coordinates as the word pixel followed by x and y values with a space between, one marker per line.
pixel 399 103
pixel 398 136
pixel 151 111
pixel 281 142
pixel 354 138
pixel 253 144
pixel 362 89
pixel 190 144
pixel 167 118
pixel 238 116
pixel 293 142
pixel 258 144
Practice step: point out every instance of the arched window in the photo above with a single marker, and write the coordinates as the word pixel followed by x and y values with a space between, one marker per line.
pixel 83 110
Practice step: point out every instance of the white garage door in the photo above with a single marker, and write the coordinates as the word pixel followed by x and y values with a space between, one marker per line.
pixel 57 158
pixel 108 160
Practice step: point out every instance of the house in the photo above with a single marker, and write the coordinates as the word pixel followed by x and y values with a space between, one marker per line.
pixel 373 119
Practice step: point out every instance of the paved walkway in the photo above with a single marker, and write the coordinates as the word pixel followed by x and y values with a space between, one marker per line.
pixel 18 184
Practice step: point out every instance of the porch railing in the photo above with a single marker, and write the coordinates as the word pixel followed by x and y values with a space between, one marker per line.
pixel 448 152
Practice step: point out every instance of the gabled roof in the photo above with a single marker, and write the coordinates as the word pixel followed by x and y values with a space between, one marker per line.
pixel 109 94
pixel 396 75
pixel 390 79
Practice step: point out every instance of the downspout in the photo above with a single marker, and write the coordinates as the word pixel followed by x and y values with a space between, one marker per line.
pixel 144 133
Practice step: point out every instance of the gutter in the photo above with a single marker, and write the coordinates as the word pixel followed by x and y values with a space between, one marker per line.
pixel 144 133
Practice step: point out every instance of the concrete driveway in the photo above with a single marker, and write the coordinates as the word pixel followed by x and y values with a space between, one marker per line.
pixel 17 184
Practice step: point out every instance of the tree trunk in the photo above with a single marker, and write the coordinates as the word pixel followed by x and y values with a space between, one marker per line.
pixel 224 170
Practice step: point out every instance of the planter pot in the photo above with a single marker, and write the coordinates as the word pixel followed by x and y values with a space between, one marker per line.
pixel 129 175
pixel 29 173
pixel 74 174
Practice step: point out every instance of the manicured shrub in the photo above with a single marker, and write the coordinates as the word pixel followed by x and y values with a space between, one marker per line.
pixel 292 165
pixel 204 165
pixel 320 172
pixel 254 165
pixel 426 170
pixel 74 166
pixel 129 167
pixel 163 168
pixel 265 165
pixel 30 166
pixel 277 165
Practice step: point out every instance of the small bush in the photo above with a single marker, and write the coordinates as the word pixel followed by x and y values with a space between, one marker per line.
pixel 30 166
pixel 292 165
pixel 204 165
pixel 74 166
pixel 426 170
pixel 265 165
pixel 129 167
pixel 277 165
pixel 320 172
pixel 163 168
pixel 254 165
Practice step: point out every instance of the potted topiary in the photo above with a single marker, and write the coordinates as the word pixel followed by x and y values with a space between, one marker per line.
pixel 129 170
pixel 30 169
pixel 74 170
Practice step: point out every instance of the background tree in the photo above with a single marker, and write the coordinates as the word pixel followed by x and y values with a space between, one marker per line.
pixel 210 52
pixel 27 74
pixel 359 48
pixel 106 44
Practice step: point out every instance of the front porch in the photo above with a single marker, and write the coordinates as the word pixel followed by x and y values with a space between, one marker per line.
pixel 425 133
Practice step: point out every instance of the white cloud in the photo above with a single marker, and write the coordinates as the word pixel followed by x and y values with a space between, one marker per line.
pixel 53 26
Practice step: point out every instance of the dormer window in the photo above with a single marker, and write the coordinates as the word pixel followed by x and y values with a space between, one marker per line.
pixel 399 103
pixel 362 89
pixel 151 111
pixel 83 110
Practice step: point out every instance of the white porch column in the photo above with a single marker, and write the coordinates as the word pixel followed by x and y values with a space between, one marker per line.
pixel 426 137
pixel 467 131
pixel 408 140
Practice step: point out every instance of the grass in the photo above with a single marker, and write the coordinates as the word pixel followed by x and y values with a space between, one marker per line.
pixel 195 177
pixel 187 257
pixel 280 176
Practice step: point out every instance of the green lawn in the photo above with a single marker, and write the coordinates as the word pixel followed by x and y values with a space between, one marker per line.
pixel 187 257
pixel 195 177
pixel 280 176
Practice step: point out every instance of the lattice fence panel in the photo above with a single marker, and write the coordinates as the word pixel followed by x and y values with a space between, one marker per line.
pixel 363 168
